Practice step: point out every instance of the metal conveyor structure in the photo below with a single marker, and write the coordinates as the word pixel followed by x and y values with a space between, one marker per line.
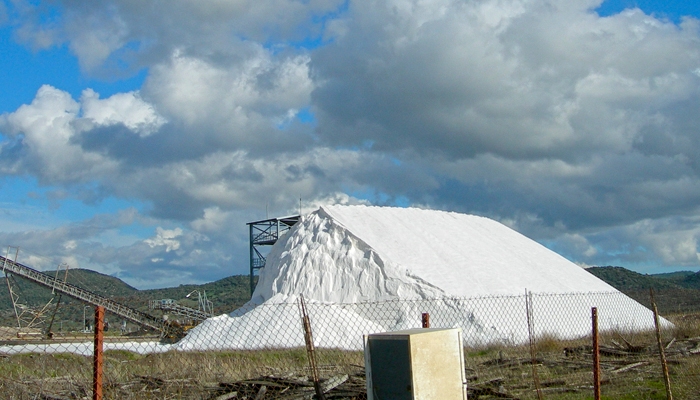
pixel 170 305
pixel 167 330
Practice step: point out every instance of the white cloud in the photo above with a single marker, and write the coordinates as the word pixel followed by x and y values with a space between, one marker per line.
pixel 213 220
pixel 233 102
pixel 571 127
pixel 125 108
pixel 45 131
pixel 166 238
pixel 578 244
pixel 94 37
pixel 521 80
pixel 117 32
pixel 673 243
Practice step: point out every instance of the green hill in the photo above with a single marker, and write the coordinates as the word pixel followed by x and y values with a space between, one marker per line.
pixel 66 310
pixel 677 292
pixel 226 295
pixel 623 279
pixel 104 285
pixel 691 281
pixel 674 276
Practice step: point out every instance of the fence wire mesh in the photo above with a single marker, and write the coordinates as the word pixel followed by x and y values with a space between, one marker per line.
pixel 259 352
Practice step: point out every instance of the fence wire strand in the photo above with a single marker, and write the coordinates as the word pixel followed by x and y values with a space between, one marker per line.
pixel 259 351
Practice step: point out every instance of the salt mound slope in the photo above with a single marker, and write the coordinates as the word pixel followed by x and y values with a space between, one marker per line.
pixel 374 269
pixel 346 254
pixel 279 326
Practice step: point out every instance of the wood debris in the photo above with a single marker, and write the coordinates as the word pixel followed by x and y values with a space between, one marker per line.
pixel 290 388
pixel 620 357
pixel 630 366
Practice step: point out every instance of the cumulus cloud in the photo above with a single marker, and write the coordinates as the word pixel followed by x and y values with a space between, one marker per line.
pixel 122 108
pixel 234 105
pixel 575 129
pixel 517 79
pixel 40 140
pixel 117 34
pixel 166 238
pixel 675 240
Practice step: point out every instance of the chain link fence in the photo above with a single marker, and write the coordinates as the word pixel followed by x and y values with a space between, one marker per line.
pixel 532 346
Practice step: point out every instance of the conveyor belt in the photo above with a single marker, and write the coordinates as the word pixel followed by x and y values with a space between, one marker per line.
pixel 141 318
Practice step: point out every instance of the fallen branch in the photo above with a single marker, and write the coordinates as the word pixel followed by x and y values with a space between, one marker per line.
pixel 630 366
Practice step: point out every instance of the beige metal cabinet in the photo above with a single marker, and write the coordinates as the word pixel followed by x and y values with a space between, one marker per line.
pixel 415 364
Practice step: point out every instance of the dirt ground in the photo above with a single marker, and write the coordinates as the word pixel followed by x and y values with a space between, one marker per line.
pixel 10 333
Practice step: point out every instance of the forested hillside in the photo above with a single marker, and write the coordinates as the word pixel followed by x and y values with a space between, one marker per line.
pixel 226 295
pixel 675 292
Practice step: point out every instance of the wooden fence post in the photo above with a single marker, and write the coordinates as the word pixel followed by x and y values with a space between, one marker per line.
pixel 662 355
pixel 97 354
pixel 425 320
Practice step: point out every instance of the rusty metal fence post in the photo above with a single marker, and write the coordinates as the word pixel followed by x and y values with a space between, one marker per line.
pixel 596 354
pixel 97 354
pixel 310 349
pixel 531 339
pixel 577 342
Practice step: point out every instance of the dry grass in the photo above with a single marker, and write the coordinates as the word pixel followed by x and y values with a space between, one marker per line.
pixel 563 368
pixel 174 375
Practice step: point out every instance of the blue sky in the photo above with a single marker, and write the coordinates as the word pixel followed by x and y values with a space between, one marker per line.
pixel 26 70
pixel 141 148
pixel 673 10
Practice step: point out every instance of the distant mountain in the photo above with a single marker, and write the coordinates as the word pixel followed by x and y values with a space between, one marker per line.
pixel 675 292
pixel 691 281
pixel 33 294
pixel 226 294
pixel 686 279
pixel 674 276
pixel 623 279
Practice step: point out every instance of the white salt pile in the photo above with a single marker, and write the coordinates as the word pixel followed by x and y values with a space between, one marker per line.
pixel 84 348
pixel 346 254
pixel 279 326
pixel 401 258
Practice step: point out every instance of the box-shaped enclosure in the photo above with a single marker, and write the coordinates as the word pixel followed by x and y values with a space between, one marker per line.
pixel 414 364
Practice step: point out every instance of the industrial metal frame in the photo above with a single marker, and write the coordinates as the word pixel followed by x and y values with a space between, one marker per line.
pixel 266 233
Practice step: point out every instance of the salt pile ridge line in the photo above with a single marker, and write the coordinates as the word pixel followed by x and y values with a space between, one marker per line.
pixel 403 259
